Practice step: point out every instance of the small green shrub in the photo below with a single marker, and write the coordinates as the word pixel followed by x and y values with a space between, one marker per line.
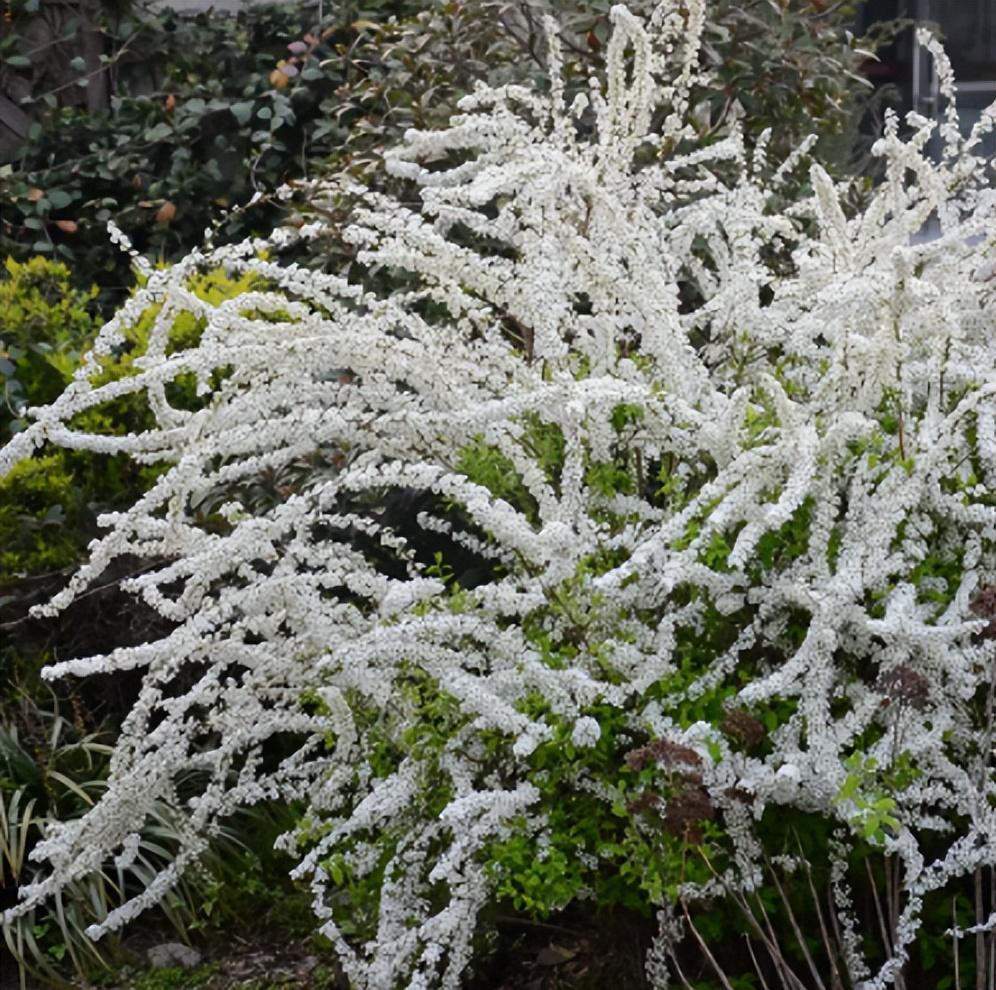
pixel 49 505
pixel 47 323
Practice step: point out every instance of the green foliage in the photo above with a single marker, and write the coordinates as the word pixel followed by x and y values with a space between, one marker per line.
pixel 44 519
pixel 174 978
pixel 52 769
pixel 34 536
pixel 211 110
pixel 871 816
pixel 164 165
pixel 208 111
pixel 46 326
pixel 660 829
pixel 48 505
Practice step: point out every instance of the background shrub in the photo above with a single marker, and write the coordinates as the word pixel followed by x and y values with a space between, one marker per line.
pixel 208 114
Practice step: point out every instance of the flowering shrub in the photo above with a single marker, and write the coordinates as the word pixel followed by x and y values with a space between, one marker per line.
pixel 709 480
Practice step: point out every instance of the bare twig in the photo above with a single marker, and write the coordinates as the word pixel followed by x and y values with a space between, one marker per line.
pixel 955 942
pixel 836 980
pixel 766 932
pixel 879 913
pixel 992 931
pixel 705 949
pixel 980 936
pixel 797 931
pixel 757 965
pixel 87 594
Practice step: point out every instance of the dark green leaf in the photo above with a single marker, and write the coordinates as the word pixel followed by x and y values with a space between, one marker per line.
pixel 59 198
pixel 159 133
pixel 242 111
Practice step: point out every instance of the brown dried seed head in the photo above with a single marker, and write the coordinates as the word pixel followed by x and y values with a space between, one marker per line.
pixel 663 752
pixel 984 601
pixel 637 759
pixel 983 604
pixel 644 802
pixel 905 686
pixel 740 725
pixel 685 810
pixel 670 753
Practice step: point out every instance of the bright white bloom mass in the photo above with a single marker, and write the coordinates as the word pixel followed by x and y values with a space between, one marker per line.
pixel 676 441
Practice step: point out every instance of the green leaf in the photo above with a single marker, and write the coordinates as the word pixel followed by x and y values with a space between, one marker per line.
pixel 849 788
pixel 18 61
pixel 159 133
pixel 59 198
pixel 242 112
pixel 70 27
pixel 78 64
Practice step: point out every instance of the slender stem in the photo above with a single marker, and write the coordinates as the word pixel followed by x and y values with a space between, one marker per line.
pixel 766 932
pixel 797 931
pixel 955 943
pixel 897 872
pixel 992 931
pixel 537 925
pixel 681 974
pixel 835 922
pixel 836 981
pixel 757 965
pixel 980 937
pixel 879 913
pixel 705 949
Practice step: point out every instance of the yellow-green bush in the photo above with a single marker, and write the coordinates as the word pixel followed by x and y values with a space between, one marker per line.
pixel 48 505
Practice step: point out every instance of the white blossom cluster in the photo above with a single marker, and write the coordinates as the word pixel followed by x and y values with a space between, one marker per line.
pixel 780 366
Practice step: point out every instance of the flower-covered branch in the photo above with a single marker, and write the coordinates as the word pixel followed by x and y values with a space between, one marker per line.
pixel 627 441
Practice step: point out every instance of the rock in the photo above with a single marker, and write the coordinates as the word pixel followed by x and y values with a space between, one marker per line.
pixel 554 955
pixel 173 954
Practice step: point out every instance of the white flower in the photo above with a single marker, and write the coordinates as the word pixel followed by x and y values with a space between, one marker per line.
pixel 586 732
